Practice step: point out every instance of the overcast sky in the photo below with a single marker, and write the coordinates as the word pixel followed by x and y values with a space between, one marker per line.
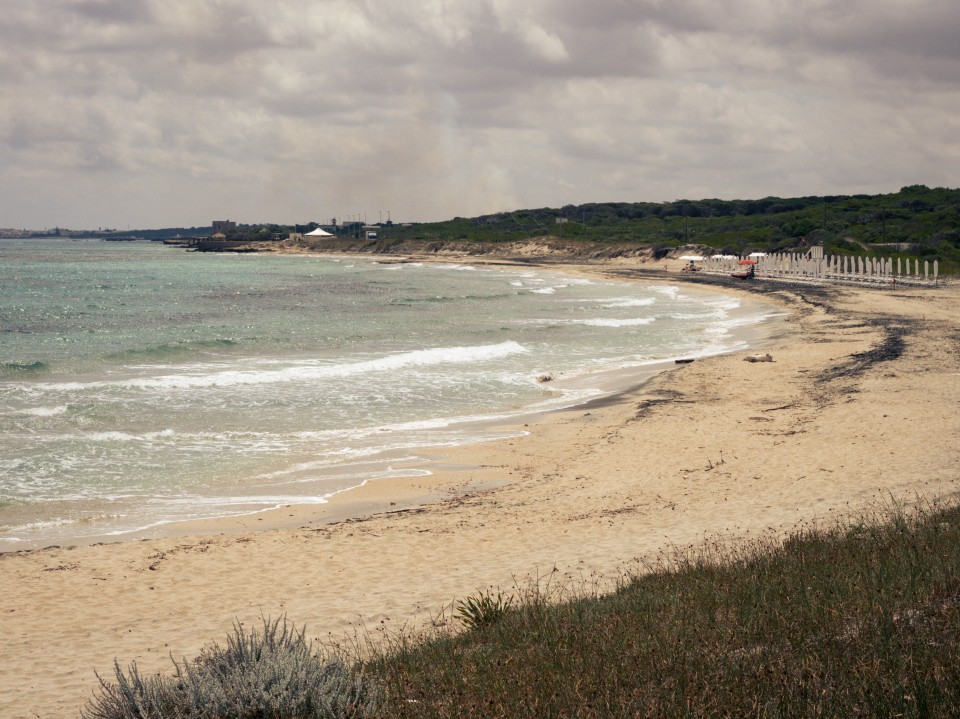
pixel 158 113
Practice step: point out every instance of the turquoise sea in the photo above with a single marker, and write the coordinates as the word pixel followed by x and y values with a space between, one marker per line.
pixel 142 385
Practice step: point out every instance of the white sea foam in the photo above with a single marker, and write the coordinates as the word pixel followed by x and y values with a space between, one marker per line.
pixel 116 436
pixel 46 411
pixel 715 315
pixel 629 302
pixel 595 322
pixel 303 373
pixel 671 291
pixel 228 501
pixel 602 322
pixel 110 437
pixel 339 447
pixel 33 526
pixel 457 268
pixel 340 462
pixel 724 303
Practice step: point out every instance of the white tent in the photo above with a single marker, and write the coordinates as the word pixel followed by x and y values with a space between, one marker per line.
pixel 318 233
pixel 692 258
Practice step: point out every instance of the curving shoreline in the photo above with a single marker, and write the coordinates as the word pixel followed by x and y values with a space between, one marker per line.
pixel 302 471
pixel 859 403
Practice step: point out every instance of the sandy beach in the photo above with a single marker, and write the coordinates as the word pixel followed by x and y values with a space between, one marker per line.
pixel 859 406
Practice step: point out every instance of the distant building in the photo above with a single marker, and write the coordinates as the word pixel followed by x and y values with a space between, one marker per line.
pixel 223 226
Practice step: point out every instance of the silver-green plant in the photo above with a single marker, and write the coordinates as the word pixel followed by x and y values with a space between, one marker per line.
pixel 272 673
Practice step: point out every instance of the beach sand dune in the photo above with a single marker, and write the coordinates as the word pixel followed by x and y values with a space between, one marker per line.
pixel 859 405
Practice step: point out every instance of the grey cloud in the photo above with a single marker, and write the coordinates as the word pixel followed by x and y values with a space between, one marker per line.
pixel 308 107
pixel 115 11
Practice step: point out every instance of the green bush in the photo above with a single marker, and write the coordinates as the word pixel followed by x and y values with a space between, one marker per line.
pixel 268 674
pixel 483 609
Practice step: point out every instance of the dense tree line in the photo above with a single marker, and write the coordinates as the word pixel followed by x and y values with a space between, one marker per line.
pixel 917 221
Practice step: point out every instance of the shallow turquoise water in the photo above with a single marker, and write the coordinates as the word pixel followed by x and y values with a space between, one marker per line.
pixel 142 385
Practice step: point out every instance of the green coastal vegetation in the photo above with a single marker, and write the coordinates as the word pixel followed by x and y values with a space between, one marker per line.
pixel 917 222
pixel 858 619
pixel 913 214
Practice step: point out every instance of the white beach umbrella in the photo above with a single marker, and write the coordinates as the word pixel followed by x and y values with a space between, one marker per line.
pixel 318 233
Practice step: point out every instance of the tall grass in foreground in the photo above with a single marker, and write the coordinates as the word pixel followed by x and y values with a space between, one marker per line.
pixel 846 622
pixel 851 621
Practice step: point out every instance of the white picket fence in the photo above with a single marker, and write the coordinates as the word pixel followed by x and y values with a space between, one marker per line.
pixel 846 269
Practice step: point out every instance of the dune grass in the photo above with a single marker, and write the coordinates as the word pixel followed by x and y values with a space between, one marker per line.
pixel 844 622
pixel 858 620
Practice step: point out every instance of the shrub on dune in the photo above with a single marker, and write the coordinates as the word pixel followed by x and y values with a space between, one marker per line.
pixel 271 673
